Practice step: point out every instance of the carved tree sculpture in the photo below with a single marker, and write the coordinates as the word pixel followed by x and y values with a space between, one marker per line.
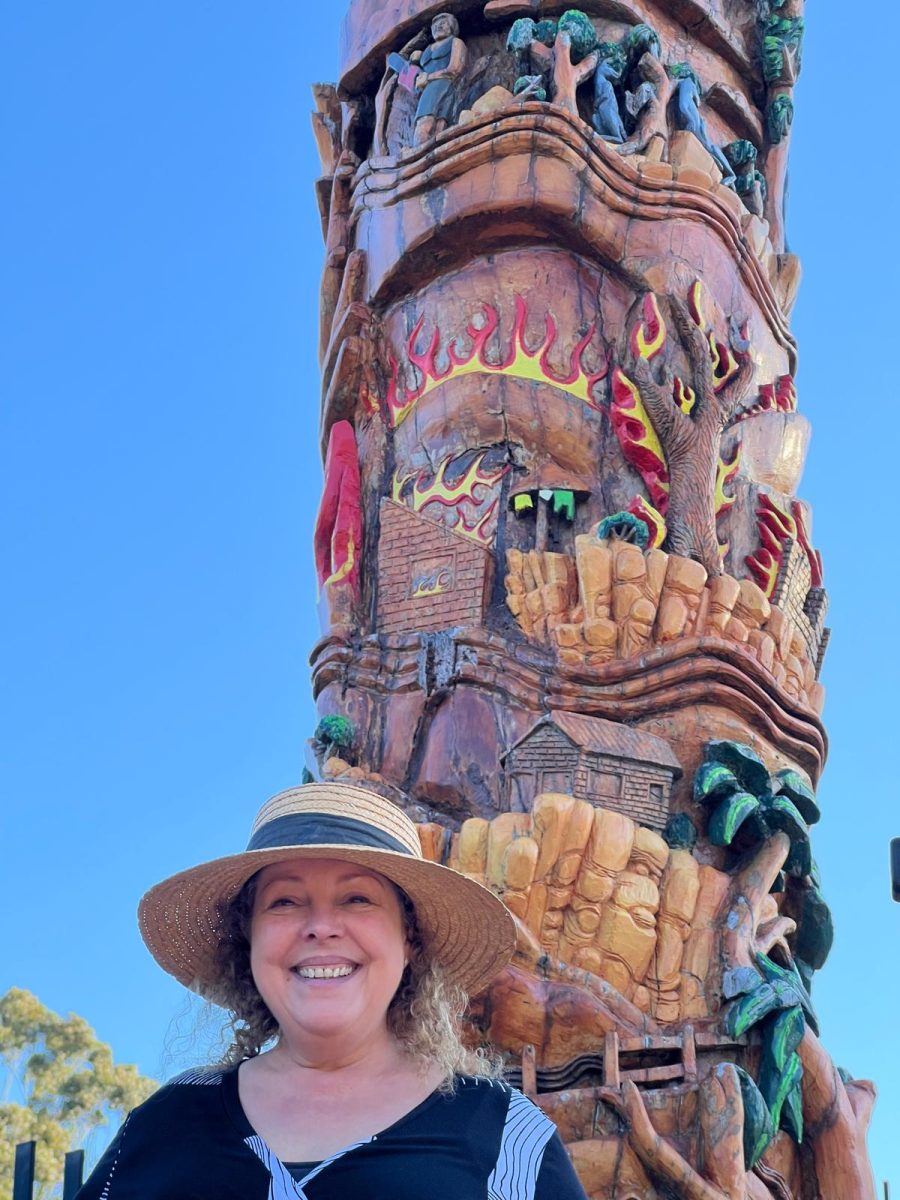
pixel 573 617
pixel 691 439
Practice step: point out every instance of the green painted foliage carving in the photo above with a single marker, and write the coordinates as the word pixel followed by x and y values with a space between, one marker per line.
pixel 580 29
pixel 641 38
pixel 746 804
pixel 758 1127
pixel 776 1004
pixel 779 118
pixel 781 36
pixel 545 31
pixel 684 71
pixel 612 53
pixel 626 527
pixel 333 733
pixel 521 35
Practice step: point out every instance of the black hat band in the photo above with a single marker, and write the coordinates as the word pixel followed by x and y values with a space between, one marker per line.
pixel 316 829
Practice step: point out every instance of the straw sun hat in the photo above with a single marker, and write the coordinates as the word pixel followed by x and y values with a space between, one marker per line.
pixel 464 927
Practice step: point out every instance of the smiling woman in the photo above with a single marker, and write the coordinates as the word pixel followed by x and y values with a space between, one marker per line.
pixel 344 959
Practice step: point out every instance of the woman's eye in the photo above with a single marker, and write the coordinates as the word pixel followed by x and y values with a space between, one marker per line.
pixel 359 899
pixel 283 902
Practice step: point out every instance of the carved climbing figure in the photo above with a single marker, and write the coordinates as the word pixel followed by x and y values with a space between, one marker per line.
pixel 523 36
pixel 750 184
pixel 610 68
pixel 648 95
pixel 686 113
pixel 440 65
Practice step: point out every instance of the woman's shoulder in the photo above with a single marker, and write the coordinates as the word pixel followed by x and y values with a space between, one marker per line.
pixel 199 1077
pixel 482 1085
pixel 198 1086
pixel 514 1106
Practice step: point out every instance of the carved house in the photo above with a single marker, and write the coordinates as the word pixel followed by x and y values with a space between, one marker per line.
pixel 609 764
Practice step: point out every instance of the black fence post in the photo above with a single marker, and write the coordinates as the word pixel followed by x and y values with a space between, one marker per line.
pixel 73 1175
pixel 23 1174
pixel 895 868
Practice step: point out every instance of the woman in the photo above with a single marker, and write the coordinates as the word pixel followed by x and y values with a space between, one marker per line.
pixel 332 941
pixel 442 63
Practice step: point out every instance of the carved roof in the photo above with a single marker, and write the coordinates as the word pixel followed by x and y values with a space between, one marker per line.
pixel 597 736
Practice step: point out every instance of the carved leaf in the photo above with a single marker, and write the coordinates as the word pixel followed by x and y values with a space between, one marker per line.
pixel 787 1034
pixel 784 814
pixel 787 1082
pixel 792 1114
pixel 746 764
pixel 730 816
pixel 794 786
pixel 714 780
pixel 758 1127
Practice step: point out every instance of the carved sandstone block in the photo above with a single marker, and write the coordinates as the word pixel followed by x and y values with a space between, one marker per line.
pixel 472 848
pixel 502 830
pixel 594 565
pixel 752 607
pixel 432 838
pixel 518 867
pixel 680 602
pixel 678 902
pixel 723 593
pixel 562 826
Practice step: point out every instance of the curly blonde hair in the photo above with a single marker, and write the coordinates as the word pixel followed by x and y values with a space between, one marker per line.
pixel 425 1014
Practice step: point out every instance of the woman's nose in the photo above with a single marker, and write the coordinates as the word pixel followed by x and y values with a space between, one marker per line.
pixel 323 921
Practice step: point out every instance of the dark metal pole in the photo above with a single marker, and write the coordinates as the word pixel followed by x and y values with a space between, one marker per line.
pixel 895 868
pixel 73 1175
pixel 23 1175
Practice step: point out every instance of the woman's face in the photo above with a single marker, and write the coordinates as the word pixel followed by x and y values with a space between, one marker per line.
pixel 327 948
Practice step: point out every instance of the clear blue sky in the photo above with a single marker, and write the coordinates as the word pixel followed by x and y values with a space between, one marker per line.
pixel 161 254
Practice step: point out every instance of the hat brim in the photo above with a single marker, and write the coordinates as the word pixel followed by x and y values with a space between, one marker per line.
pixel 464 927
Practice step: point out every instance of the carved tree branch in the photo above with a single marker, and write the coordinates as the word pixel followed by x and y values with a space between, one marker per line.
pixel 696 348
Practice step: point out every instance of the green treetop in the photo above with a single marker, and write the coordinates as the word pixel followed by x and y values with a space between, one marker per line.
pixel 60 1083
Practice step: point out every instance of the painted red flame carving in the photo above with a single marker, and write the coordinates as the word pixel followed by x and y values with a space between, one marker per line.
pixel 519 362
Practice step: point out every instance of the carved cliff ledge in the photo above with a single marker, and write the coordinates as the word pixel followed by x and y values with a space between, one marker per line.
pixel 531 158
pixel 526 677
pixel 613 600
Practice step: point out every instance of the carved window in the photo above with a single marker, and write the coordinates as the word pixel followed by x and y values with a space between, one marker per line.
pixel 606 784
pixel 556 781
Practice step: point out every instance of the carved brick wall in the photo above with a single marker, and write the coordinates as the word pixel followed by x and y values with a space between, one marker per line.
pixel 645 789
pixel 444 584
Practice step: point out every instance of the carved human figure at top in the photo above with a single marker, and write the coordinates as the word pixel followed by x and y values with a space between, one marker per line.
pixel 648 94
pixel 442 63
pixel 686 104
pixel 610 68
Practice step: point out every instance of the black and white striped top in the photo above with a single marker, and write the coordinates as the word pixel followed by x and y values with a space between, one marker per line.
pixel 192 1141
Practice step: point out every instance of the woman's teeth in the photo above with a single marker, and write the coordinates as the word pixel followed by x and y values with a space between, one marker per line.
pixel 324 972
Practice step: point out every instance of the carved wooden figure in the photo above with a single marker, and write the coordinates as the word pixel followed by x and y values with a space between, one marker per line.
pixel 573 617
